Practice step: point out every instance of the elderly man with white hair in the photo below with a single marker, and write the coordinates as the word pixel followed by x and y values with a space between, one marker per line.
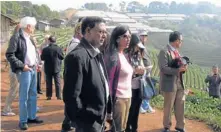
pixel 22 56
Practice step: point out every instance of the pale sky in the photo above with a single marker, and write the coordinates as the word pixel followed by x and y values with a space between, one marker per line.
pixel 64 4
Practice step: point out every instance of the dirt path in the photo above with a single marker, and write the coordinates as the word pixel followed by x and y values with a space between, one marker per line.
pixel 52 114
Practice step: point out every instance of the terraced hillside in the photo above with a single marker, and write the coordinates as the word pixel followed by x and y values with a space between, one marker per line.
pixel 194 78
pixel 63 36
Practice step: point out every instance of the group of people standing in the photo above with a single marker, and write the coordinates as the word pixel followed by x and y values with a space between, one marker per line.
pixel 102 80
pixel 112 69
pixel 102 74
pixel 26 61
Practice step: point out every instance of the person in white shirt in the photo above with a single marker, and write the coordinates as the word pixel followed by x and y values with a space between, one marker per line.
pixel 22 56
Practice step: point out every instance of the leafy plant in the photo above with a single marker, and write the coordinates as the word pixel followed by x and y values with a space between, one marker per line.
pixel 200 107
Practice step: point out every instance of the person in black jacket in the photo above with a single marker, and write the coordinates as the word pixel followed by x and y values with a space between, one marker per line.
pixel 86 90
pixel 214 80
pixel 52 56
pixel 67 125
pixel 21 54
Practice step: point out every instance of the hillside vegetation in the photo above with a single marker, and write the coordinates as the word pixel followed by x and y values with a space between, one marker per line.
pixel 194 78
pixel 18 9
pixel 201 38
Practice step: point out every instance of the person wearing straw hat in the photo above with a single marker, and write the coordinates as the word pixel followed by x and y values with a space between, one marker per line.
pixel 145 106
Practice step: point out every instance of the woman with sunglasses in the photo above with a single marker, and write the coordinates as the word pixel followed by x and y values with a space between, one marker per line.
pixel 120 73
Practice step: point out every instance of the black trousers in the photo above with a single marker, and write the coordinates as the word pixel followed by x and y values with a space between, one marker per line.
pixel 132 123
pixel 57 82
pixel 67 122
pixel 215 96
pixel 39 81
pixel 85 127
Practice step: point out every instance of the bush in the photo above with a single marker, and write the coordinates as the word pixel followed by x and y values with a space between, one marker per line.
pixel 200 107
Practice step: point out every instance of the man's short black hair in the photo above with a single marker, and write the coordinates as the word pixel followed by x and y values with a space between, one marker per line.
pixel 174 36
pixel 52 39
pixel 90 22
pixel 80 19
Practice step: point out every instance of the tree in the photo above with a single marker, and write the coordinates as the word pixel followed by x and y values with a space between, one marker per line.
pixel 96 6
pixel 205 7
pixel 158 7
pixel 45 10
pixel 135 6
pixel 173 7
pixel 16 8
pixel 3 7
pixel 54 14
pixel 26 11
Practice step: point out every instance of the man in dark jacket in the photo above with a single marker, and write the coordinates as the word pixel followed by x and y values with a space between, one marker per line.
pixel 52 56
pixel 21 54
pixel 66 124
pixel 86 91
pixel 214 81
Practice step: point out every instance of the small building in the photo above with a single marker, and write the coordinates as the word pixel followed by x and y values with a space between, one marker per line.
pixel 43 26
pixel 6 22
pixel 57 23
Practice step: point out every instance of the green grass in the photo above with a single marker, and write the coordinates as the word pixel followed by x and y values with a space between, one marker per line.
pixel 199 107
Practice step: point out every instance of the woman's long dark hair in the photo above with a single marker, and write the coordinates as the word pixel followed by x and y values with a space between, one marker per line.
pixel 112 53
pixel 133 44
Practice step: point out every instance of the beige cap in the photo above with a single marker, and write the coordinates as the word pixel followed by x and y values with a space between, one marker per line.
pixel 143 33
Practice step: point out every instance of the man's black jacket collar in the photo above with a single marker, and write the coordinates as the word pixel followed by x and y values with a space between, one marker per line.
pixel 91 51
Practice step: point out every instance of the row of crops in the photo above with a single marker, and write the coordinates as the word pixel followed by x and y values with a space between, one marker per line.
pixel 199 107
pixel 63 36
pixel 193 78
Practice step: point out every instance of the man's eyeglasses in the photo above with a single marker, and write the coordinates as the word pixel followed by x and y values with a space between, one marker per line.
pixel 180 40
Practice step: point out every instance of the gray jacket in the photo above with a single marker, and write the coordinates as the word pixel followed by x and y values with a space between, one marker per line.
pixel 214 84
pixel 74 42
pixel 168 75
